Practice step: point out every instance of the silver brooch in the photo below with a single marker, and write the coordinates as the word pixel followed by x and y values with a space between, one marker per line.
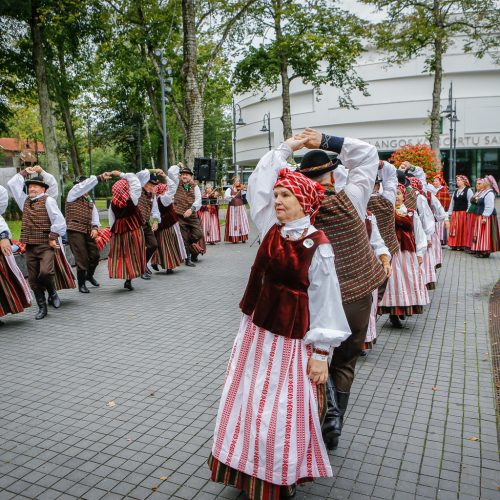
pixel 308 243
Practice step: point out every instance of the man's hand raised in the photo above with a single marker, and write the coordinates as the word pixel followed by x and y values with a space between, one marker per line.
pixel 313 138
pixel 295 142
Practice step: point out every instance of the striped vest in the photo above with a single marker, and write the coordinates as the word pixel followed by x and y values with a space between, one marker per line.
pixel 36 223
pixel 358 269
pixel 384 212
pixel 79 215
pixel 145 205
pixel 411 199
pixel 183 200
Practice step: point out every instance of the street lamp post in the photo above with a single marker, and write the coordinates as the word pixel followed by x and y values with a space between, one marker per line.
pixel 165 84
pixel 240 122
pixel 451 113
pixel 89 139
pixel 266 127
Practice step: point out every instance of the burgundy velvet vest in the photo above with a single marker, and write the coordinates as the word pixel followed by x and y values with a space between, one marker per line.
pixel 404 231
pixel 167 214
pixel 276 293
pixel 128 218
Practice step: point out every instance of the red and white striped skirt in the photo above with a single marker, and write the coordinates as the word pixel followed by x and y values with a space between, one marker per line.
pixel 127 255
pixel 15 295
pixel 429 268
pixel 436 246
pixel 64 278
pixel 371 333
pixel 268 424
pixel 237 227
pixel 171 251
pixel 485 236
pixel 459 235
pixel 405 287
pixel 210 224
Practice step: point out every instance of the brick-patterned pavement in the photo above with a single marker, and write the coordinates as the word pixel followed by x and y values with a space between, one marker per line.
pixel 421 424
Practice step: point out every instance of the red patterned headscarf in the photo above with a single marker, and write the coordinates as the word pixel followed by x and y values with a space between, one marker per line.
pixel 160 189
pixel 464 178
pixel 402 189
pixel 416 184
pixel 121 193
pixel 308 192
pixel 441 179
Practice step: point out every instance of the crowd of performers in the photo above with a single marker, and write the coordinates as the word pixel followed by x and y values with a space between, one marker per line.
pixel 342 242
pixel 156 220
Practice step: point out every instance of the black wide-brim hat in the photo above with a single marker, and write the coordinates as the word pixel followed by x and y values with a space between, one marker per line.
pixel 153 178
pixel 37 179
pixel 402 178
pixel 186 170
pixel 316 163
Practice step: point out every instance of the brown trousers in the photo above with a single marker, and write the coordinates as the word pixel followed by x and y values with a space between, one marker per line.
pixel 191 230
pixel 150 240
pixel 346 355
pixel 40 263
pixel 84 250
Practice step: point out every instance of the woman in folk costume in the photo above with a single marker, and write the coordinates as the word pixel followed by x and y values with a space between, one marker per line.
pixel 441 221
pixel 14 292
pixel 443 195
pixel 237 227
pixel 406 293
pixel 268 430
pixel 209 214
pixel 127 253
pixel 484 237
pixel 429 226
pixel 458 238
pixel 171 251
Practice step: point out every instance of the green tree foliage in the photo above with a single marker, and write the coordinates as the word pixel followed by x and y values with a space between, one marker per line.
pixel 428 28
pixel 313 40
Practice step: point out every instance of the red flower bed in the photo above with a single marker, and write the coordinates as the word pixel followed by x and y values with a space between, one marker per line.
pixel 420 155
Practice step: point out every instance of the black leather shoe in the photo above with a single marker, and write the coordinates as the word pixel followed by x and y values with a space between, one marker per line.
pixel 90 277
pixel 170 271
pixel 42 304
pixel 80 276
pixel 194 258
pixel 145 276
pixel 155 267
pixel 128 285
pixel 54 299
pixel 395 321
pixel 189 263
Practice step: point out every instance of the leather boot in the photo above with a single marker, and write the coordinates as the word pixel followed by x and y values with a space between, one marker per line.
pixel 332 426
pixel 395 321
pixel 53 299
pixel 189 263
pixel 90 277
pixel 42 304
pixel 80 277
pixel 128 285
pixel 194 258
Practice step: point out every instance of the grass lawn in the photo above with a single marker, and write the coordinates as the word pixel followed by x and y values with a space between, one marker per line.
pixel 100 203
pixel 15 227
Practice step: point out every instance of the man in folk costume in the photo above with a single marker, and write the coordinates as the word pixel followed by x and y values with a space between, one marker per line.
pixel 237 228
pixel 171 251
pixel 187 201
pixel 43 225
pixel 342 218
pixel 83 223
pixel 14 292
pixel 268 433
pixel 149 179
pixel 127 253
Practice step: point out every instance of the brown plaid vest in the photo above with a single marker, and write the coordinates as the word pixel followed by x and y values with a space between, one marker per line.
pixel 79 215
pixel 145 205
pixel 183 200
pixel 35 228
pixel 358 269
pixel 411 199
pixel 384 212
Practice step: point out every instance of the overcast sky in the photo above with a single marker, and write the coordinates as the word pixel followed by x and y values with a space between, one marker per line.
pixel 368 12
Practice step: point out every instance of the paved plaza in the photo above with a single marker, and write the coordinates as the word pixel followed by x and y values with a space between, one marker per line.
pixel 115 394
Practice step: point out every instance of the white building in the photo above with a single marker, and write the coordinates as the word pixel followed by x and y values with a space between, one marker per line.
pixel 395 113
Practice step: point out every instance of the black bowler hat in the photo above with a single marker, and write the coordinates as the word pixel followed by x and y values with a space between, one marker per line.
pixel 80 179
pixel 186 170
pixel 153 178
pixel 36 179
pixel 316 163
pixel 402 178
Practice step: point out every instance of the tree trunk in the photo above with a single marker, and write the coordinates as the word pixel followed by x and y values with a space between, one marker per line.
pixel 49 131
pixel 286 116
pixel 192 95
pixel 64 105
pixel 438 78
